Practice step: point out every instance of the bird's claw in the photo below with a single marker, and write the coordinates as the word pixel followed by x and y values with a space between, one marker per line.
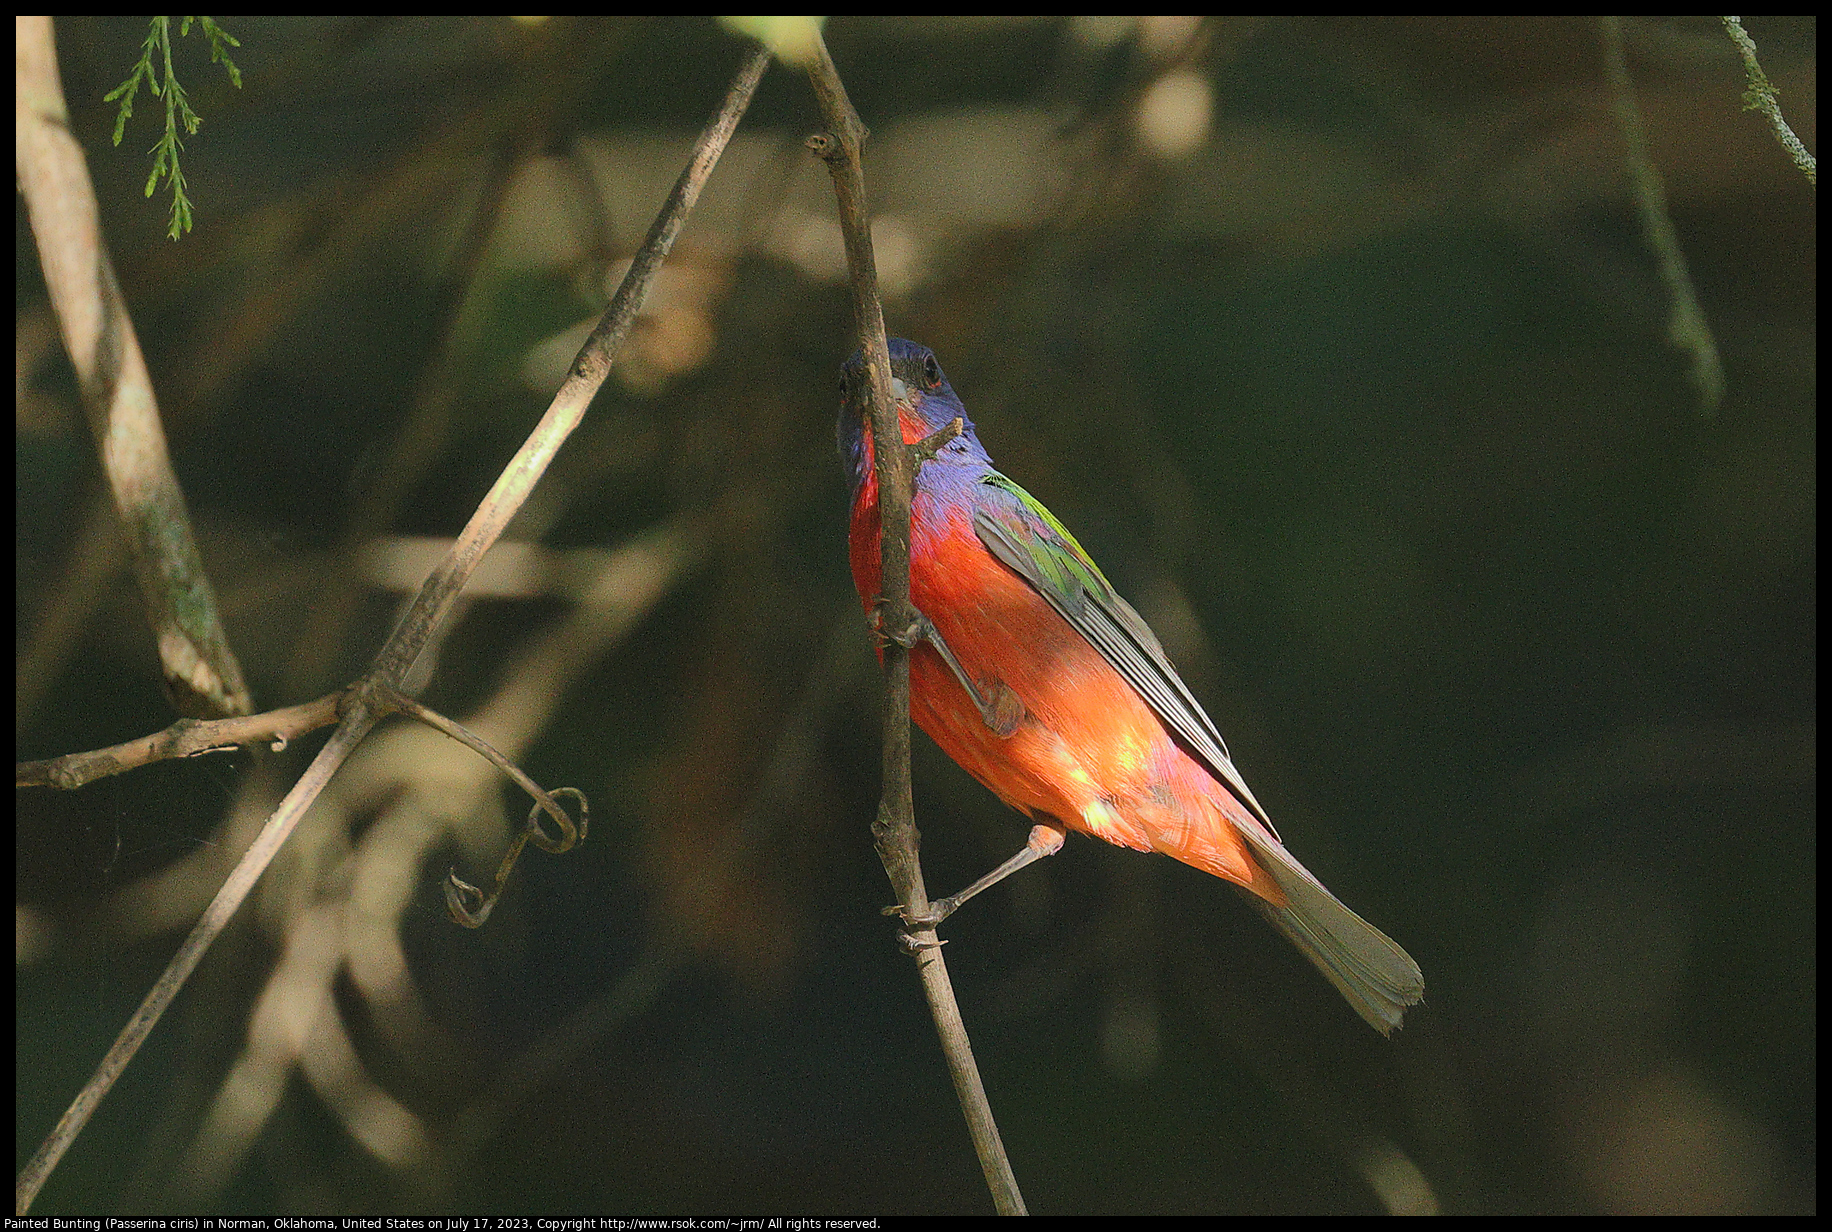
pixel 938 910
pixel 907 637
pixel 912 946
pixel 913 922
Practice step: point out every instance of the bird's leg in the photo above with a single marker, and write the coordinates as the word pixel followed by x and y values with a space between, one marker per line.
pixel 1001 710
pixel 1044 841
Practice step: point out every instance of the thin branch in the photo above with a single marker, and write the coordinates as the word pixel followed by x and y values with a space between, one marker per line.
pixel 184 738
pixel 1761 96
pixel 895 828
pixel 365 702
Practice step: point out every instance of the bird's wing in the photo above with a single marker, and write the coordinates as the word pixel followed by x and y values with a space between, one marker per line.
pixel 1016 528
pixel 1378 977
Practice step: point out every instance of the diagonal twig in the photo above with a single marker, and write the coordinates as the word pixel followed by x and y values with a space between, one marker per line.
pixel 1761 96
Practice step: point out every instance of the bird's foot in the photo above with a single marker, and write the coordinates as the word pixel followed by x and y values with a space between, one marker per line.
pixel 938 910
pixel 911 923
pixel 907 636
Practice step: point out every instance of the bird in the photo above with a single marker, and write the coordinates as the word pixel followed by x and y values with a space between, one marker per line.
pixel 1031 672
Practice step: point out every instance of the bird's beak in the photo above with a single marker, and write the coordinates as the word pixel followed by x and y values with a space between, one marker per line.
pixel 900 392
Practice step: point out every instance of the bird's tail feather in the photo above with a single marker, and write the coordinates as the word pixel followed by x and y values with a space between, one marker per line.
pixel 1373 973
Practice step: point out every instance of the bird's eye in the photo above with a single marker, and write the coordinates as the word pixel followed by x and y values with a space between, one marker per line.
pixel 931 372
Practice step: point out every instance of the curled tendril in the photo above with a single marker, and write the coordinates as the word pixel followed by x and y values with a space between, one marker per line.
pixel 470 906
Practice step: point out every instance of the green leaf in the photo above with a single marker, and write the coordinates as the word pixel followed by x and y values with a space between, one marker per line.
pixel 156 50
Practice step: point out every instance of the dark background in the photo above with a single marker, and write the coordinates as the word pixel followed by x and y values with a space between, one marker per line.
pixel 1363 394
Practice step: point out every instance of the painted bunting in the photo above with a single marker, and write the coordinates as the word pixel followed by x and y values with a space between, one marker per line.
pixel 1028 669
